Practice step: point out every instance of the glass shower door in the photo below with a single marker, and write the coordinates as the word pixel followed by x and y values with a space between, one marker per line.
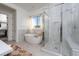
pixel 53 45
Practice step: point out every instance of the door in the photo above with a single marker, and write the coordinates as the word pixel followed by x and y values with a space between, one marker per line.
pixel 54 28
pixel 54 21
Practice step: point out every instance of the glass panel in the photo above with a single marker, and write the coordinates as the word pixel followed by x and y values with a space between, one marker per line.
pixel 53 31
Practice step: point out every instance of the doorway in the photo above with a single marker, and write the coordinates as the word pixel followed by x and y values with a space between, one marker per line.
pixel 3 27
pixel 10 16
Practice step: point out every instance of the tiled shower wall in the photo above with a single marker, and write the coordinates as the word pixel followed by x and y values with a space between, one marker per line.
pixel 53 29
pixel 70 27
pixel 68 15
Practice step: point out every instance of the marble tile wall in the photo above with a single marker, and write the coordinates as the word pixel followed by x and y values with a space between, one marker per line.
pixel 53 43
pixel 69 14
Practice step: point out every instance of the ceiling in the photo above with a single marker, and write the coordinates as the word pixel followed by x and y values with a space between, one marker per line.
pixel 31 6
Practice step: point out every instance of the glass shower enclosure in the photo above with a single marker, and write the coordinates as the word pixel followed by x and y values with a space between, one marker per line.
pixel 62 30
pixel 52 30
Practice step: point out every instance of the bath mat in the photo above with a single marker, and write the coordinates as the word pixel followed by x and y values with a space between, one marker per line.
pixel 18 51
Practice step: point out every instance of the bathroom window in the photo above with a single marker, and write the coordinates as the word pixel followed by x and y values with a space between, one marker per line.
pixel 36 21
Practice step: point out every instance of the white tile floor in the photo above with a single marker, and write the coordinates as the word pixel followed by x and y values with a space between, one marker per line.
pixel 34 49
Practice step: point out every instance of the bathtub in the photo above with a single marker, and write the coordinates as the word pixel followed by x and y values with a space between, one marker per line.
pixel 32 39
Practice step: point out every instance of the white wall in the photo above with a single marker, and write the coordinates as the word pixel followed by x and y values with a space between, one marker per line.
pixel 21 19
pixel 9 12
pixel 40 11
pixel 52 32
pixel 35 13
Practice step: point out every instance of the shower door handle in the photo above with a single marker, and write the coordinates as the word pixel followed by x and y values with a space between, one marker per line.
pixel 61 33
